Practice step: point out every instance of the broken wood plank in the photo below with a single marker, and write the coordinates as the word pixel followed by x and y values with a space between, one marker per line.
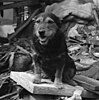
pixel 86 82
pixel 18 4
pixel 25 80
pixel 12 0
pixel 9 95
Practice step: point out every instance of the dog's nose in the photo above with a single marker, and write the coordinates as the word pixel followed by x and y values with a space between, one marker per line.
pixel 42 33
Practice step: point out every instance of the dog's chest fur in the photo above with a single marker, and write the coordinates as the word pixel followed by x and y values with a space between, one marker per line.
pixel 53 54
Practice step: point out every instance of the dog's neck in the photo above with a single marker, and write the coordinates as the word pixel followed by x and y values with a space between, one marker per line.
pixel 55 46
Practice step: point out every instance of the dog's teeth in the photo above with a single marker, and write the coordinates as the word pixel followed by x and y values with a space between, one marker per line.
pixel 43 39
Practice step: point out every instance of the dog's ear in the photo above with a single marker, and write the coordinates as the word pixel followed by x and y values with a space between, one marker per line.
pixel 56 19
pixel 51 15
pixel 37 16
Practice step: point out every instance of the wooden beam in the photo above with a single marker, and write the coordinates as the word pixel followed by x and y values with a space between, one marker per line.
pixel 25 80
pixel 18 4
pixel 12 0
pixel 9 95
pixel 86 82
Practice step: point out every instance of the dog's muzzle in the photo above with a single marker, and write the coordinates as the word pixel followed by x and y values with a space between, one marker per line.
pixel 42 38
pixel 42 34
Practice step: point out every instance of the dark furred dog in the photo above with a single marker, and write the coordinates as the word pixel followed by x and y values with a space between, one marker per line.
pixel 51 50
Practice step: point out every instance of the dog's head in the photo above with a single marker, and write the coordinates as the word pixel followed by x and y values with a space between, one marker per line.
pixel 45 27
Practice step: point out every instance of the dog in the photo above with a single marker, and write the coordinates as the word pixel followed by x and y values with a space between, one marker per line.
pixel 51 53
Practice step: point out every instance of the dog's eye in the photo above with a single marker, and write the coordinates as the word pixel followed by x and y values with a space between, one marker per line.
pixel 38 21
pixel 50 21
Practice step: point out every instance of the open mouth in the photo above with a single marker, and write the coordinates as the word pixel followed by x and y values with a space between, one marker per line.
pixel 43 41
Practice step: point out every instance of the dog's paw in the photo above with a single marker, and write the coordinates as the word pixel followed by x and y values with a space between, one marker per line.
pixel 36 79
pixel 59 85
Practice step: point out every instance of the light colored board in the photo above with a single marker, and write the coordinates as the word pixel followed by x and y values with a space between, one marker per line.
pixel 86 82
pixel 25 80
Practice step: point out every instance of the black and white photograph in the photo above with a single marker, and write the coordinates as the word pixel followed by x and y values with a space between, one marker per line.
pixel 49 49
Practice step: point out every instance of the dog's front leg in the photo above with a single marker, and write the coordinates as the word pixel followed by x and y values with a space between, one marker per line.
pixel 58 77
pixel 37 72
